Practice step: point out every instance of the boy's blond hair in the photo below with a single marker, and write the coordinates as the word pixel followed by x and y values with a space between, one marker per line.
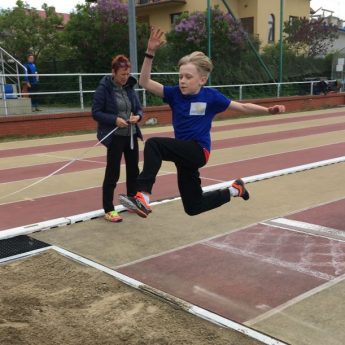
pixel 201 61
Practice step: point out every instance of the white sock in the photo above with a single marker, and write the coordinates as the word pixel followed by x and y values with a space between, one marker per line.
pixel 146 197
pixel 234 191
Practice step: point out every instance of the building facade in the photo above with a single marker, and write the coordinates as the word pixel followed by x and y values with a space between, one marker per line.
pixel 259 17
pixel 339 43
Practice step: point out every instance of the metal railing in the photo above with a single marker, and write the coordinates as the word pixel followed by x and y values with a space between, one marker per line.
pixel 78 88
pixel 9 72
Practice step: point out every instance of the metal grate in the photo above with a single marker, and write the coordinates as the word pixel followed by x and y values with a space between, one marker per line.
pixel 18 245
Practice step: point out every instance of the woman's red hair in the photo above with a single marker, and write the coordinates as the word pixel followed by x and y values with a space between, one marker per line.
pixel 120 61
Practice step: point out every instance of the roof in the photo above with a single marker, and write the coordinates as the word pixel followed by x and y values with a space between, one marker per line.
pixel 65 16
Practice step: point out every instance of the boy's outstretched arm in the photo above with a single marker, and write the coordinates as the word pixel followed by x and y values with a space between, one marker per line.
pixel 254 108
pixel 155 41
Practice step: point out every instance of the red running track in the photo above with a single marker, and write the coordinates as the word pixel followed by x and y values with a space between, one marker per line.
pixel 246 273
pixel 40 170
pixel 72 203
pixel 76 202
pixel 88 143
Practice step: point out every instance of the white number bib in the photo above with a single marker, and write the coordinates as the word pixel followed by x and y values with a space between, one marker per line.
pixel 197 108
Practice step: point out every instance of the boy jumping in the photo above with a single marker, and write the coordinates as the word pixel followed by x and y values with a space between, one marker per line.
pixel 193 109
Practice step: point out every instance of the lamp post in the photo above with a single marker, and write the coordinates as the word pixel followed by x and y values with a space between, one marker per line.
pixel 209 34
pixel 133 55
pixel 281 42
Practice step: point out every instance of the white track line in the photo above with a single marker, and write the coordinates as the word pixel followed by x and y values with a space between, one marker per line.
pixel 37 227
pixel 286 171
pixel 64 158
pixel 29 229
pixel 307 228
pixel 226 247
pixel 67 192
pixel 177 302
pixel 208 166
pixel 23 255
pixel 291 213
pixel 190 308
pixel 201 241
pixel 50 195
pixel 201 177
pixel 294 301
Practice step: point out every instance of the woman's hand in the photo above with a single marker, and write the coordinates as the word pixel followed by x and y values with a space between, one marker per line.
pixel 121 123
pixel 134 118
pixel 155 40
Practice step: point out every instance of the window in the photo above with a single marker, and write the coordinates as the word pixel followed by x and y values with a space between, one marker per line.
pixel 248 24
pixel 291 19
pixel 271 28
pixel 174 17
pixel 144 20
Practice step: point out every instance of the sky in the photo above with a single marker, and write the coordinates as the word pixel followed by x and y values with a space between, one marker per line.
pixel 65 6
pixel 338 6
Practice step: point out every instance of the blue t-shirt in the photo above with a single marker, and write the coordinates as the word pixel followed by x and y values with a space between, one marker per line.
pixel 193 114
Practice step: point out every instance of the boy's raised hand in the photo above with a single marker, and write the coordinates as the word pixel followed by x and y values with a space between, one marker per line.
pixel 155 40
pixel 276 109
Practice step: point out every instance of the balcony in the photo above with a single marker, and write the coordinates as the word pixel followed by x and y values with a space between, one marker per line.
pixel 151 3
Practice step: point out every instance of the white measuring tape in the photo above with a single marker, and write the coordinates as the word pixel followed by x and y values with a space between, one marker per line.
pixel 63 167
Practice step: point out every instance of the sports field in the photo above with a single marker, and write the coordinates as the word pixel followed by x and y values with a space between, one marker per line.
pixel 270 270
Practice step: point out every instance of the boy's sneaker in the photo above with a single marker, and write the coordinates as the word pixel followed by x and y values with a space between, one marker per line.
pixel 242 191
pixel 136 203
pixel 113 216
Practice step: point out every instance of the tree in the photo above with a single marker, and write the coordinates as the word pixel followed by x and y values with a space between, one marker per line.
pixel 309 37
pixel 98 32
pixel 233 61
pixel 23 31
pixel 190 33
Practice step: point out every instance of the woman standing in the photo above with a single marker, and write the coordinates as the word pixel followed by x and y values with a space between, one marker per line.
pixel 115 104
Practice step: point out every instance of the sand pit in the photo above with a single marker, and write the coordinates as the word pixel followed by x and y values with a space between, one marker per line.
pixel 50 299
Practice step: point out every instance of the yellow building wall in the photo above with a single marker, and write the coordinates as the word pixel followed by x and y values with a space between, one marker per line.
pixel 296 8
pixel 265 8
pixel 248 8
pixel 159 15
